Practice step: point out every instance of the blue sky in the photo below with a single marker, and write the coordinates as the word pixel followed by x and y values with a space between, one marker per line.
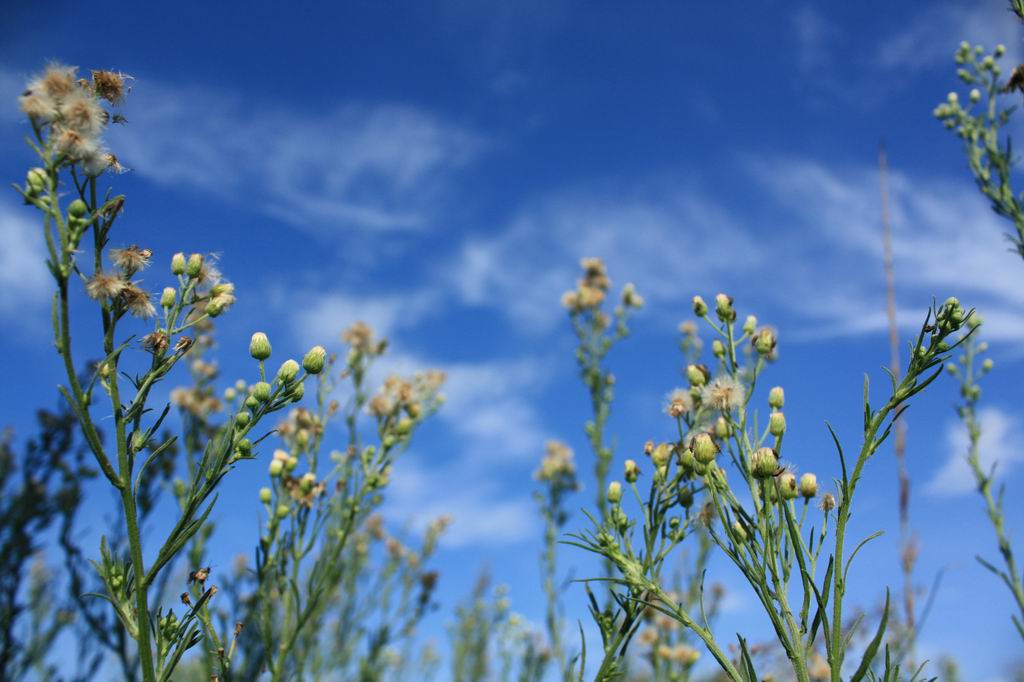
pixel 437 169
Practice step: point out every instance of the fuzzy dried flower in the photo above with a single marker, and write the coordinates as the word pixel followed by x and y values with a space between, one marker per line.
pixel 76 146
pixel 155 342
pixel 558 464
pixel 38 106
pixel 724 393
pixel 82 113
pixel 104 285
pixel 360 337
pixel 136 300
pixel 131 259
pixel 57 82
pixel 678 403
pixel 110 85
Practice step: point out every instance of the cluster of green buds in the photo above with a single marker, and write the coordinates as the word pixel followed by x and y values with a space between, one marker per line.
pixel 971 366
pixel 168 625
pixel 287 385
pixel 979 120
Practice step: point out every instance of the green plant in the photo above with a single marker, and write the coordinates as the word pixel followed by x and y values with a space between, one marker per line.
pixel 68 117
pixel 980 123
pixel 765 537
pixel 557 475
pixel 971 365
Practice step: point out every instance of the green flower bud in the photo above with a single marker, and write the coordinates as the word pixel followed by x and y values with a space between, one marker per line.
pixel 77 209
pixel 266 495
pixel 36 180
pixel 975 95
pixel 987 364
pixel 687 461
pixel 700 308
pixel 808 485
pixel 764 342
pixel 282 510
pixel 704 448
pixel 614 492
pixel 661 454
pixel 243 418
pixel 296 392
pixel 764 463
pixel 631 470
pixel 788 486
pixel 750 325
pixel 261 391
pixel 194 265
pixel 259 346
pixel 245 446
pixel 740 531
pixel 251 402
pixel 723 308
pixel 178 264
pixel 314 360
pixel 686 497
pixel 697 375
pixel 718 348
pixel 288 371
pixel 1000 50
pixel 214 308
pixel 168 297
pixel 275 467
pixel 776 398
pixel 777 424
pixel 291 463
pixel 404 427
pixel 722 429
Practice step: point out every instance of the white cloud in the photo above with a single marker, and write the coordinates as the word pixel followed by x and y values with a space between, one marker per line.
pixel 946 241
pixel 25 282
pixel 932 36
pixel 481 511
pixel 813 34
pixel 374 166
pixel 1001 445
pixel 324 316
pixel 668 244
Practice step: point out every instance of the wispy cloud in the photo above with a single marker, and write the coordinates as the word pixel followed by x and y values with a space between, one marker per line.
pixel 382 166
pixel 814 32
pixel 946 241
pixel 1001 446
pixel 24 280
pixel 325 315
pixel 482 509
pixel 933 34
pixel 669 244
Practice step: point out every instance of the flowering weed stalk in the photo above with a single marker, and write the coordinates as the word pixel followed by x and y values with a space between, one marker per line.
pixel 596 333
pixel 557 475
pixel 980 123
pixel 969 368
pixel 302 560
pixel 761 524
pixel 68 118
